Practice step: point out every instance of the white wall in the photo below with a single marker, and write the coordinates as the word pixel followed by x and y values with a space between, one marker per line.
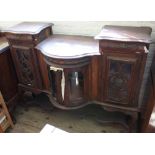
pixel 88 28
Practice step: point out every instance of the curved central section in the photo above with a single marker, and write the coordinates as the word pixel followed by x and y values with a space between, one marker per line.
pixel 68 60
pixel 68 82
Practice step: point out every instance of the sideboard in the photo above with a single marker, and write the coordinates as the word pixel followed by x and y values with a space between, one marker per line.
pixel 74 71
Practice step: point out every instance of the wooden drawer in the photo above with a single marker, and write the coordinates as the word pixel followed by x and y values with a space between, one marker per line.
pixel 28 40
pixel 12 36
pixel 123 46
pixel 21 43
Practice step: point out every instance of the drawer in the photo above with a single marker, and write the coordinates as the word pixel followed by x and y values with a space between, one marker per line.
pixel 28 39
pixel 12 36
pixel 120 46
pixel 21 43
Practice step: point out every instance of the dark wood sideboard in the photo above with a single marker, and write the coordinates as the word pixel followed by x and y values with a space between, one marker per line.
pixel 75 71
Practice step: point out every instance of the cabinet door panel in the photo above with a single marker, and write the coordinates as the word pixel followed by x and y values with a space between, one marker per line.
pixel 75 89
pixel 69 86
pixel 119 79
pixel 26 66
pixel 8 78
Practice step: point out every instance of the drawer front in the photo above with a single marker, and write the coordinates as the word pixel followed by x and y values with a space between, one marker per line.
pixel 21 43
pixel 24 37
pixel 26 67
pixel 126 47
pixel 28 40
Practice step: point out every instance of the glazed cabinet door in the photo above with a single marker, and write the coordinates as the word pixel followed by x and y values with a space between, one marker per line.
pixel 120 78
pixel 26 67
pixel 69 86
pixel 76 86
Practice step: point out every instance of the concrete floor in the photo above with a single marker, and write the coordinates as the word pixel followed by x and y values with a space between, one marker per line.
pixel 32 115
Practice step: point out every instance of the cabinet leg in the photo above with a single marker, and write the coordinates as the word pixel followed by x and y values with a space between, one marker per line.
pixel 132 122
pixel 34 95
pixel 20 95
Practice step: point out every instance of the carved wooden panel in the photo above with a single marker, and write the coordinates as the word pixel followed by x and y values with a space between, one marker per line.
pixel 24 58
pixel 119 76
pixel 25 66
pixel 120 72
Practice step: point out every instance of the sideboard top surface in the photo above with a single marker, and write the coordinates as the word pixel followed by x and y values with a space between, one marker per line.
pixel 125 33
pixel 28 28
pixel 68 47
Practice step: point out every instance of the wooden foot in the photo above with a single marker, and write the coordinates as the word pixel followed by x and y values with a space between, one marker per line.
pixel 132 122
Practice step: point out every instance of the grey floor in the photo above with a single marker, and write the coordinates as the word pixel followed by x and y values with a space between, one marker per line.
pixel 32 115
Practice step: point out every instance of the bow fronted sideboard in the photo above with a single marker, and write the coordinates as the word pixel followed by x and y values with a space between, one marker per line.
pixel 74 71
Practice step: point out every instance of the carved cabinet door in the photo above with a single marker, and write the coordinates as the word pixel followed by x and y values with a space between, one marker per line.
pixel 26 66
pixel 120 78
